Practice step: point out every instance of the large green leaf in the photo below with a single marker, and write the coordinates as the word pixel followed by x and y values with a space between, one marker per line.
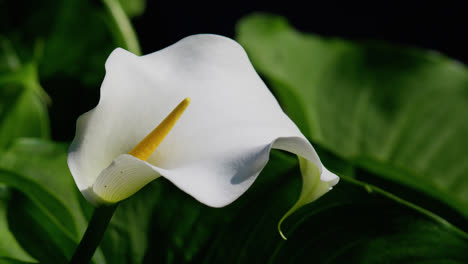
pixel 45 163
pixel 38 216
pixel 44 214
pixel 397 113
pixel 39 231
pixel 52 209
pixel 351 225
pixel 38 219
pixel 9 247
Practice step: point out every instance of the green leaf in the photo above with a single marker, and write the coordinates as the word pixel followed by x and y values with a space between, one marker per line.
pixel 68 39
pixel 395 113
pixel 45 163
pixel 36 217
pixel 351 225
pixel 47 205
pixel 133 8
pixel 39 231
pixel 23 111
pixel 13 261
pixel 121 26
pixel 58 212
pixel 9 247
pixel 78 43
pixel 36 214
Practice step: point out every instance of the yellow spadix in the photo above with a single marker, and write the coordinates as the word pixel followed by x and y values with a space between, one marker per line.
pixel 148 145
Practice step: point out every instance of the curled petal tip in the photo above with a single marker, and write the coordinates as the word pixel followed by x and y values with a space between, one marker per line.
pixel 281 231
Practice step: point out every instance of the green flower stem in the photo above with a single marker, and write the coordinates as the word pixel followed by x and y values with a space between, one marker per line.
pixel 122 27
pixel 93 235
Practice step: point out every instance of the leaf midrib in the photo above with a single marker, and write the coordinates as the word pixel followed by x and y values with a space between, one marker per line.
pixel 442 221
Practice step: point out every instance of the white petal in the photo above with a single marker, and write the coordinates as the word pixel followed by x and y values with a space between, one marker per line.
pixel 217 148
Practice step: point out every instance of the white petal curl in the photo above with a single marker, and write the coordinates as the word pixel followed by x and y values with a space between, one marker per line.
pixel 217 148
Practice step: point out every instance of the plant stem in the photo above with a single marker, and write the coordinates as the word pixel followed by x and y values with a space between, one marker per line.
pixel 123 28
pixel 93 235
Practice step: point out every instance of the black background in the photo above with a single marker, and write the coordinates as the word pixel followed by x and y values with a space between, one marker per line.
pixel 438 25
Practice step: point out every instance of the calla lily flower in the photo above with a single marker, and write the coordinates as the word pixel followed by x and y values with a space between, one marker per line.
pixel 218 146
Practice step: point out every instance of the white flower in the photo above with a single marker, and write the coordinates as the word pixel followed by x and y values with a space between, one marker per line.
pixel 216 149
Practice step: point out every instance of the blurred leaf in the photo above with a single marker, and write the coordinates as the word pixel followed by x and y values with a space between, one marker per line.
pixel 23 112
pixel 43 175
pixel 77 35
pixel 69 41
pixel 47 205
pixel 9 247
pixel 123 32
pixel 39 217
pixel 73 33
pixel 40 222
pixel 38 230
pixel 13 261
pixel 397 113
pixel 46 163
pixel 133 8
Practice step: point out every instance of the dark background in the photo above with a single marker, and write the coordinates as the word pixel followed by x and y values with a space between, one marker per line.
pixel 440 26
